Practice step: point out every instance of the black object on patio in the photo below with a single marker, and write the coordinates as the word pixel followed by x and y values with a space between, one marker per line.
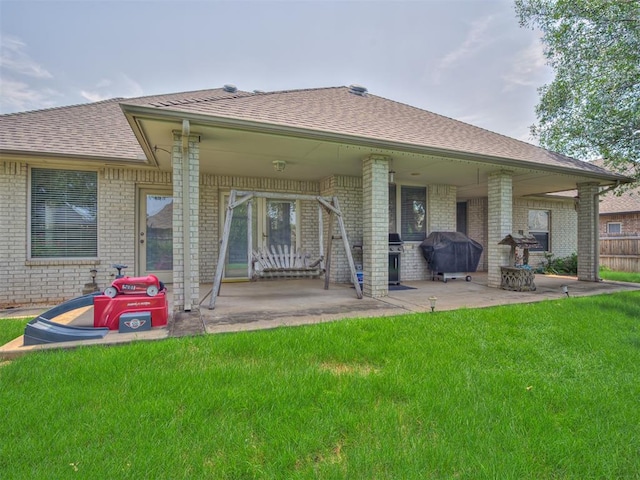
pixel 450 254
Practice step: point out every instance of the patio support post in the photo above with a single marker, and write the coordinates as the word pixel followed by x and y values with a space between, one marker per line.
pixel 186 197
pixel 588 232
pixel 500 223
pixel 375 225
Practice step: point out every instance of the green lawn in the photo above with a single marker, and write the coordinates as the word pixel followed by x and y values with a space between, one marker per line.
pixel 546 390
pixel 11 328
pixel 620 276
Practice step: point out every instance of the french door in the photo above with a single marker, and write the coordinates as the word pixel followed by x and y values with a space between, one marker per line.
pixel 274 222
pixel 155 233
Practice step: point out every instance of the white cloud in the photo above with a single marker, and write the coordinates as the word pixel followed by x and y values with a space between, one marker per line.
pixel 19 96
pixel 93 96
pixel 22 79
pixel 475 40
pixel 528 69
pixel 120 86
pixel 14 58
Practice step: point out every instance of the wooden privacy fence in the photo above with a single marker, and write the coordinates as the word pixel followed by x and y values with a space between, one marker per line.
pixel 621 254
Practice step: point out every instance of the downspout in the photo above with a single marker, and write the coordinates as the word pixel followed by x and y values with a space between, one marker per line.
pixel 596 243
pixel 186 230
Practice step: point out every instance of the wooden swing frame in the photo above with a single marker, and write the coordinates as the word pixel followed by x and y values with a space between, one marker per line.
pixel 327 204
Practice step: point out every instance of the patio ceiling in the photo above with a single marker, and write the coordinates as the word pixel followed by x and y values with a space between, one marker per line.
pixel 239 151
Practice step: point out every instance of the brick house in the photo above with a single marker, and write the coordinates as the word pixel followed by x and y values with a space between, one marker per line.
pixel 620 230
pixel 619 214
pixel 150 176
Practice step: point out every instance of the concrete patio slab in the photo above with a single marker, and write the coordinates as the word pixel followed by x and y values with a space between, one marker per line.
pixel 270 304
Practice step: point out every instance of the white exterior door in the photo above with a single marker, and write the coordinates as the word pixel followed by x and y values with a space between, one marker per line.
pixel 155 233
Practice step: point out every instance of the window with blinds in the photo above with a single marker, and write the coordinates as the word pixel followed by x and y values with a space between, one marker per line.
pixel 63 213
pixel 413 213
pixel 539 228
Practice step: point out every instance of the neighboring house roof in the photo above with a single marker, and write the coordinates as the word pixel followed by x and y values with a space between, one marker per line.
pixel 92 130
pixel 628 201
pixel 101 130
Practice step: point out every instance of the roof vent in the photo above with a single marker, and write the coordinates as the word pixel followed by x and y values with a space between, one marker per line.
pixel 230 88
pixel 358 90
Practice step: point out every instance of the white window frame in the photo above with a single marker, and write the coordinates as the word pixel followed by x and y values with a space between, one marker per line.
pixel 539 229
pixel 619 224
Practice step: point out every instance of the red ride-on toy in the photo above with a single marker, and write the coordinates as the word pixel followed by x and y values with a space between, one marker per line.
pixel 124 285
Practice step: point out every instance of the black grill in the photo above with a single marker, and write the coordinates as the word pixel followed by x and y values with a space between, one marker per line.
pixel 395 250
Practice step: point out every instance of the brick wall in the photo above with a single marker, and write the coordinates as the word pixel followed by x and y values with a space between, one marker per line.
pixel 15 278
pixel 52 281
pixel 630 222
pixel 348 190
pixel 212 186
pixel 563 228
pixel 477 226
pixel 441 208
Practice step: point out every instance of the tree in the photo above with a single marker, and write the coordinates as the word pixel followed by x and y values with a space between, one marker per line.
pixel 592 107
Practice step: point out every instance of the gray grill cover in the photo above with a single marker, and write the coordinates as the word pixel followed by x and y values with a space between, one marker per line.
pixel 449 252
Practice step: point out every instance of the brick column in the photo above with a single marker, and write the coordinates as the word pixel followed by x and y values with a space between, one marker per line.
pixel 375 225
pixel 588 208
pixel 500 219
pixel 186 300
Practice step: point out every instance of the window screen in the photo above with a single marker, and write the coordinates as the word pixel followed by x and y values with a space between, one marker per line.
pixel 63 213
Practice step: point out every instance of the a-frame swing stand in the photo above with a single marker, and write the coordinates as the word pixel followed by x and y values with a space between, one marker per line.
pixel 330 205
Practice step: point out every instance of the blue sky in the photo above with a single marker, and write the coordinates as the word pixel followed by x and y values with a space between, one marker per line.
pixel 468 60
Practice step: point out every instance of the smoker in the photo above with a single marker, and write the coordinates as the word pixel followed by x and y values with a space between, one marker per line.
pixel 395 250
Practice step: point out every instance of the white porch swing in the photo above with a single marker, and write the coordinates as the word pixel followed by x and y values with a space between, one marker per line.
pixel 284 261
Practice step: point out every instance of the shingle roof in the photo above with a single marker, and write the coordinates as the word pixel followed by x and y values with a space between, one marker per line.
pixel 629 201
pixel 97 129
pixel 337 110
pixel 101 130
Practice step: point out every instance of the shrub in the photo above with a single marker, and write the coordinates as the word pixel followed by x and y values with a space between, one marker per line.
pixel 561 266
